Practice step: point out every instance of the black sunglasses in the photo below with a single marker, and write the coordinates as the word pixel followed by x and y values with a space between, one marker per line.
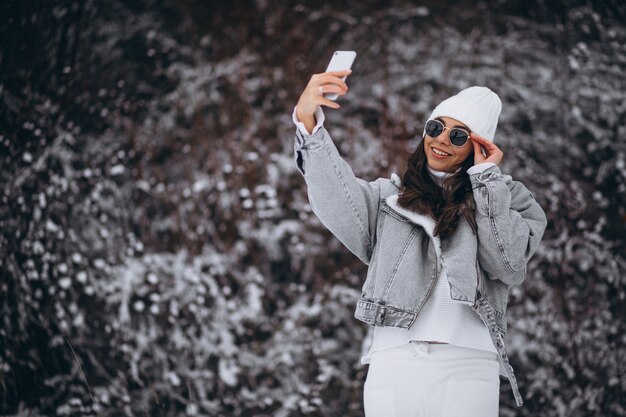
pixel 458 137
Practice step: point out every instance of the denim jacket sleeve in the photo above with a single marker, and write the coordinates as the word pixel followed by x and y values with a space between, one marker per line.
pixel 510 225
pixel 346 205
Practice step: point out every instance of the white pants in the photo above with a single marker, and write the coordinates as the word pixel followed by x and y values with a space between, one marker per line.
pixel 421 379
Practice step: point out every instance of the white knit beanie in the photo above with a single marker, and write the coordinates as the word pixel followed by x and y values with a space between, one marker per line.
pixel 476 107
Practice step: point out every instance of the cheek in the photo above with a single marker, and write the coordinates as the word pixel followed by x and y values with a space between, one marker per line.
pixel 465 152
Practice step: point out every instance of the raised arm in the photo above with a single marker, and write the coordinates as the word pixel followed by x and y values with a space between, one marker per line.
pixel 510 221
pixel 510 225
pixel 346 205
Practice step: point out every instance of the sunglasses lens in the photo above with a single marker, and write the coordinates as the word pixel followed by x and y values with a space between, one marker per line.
pixel 458 137
pixel 433 128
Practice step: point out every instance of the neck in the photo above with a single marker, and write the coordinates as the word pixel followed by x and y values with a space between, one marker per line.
pixel 439 176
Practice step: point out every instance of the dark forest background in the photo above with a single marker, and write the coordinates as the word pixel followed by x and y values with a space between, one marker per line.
pixel 159 257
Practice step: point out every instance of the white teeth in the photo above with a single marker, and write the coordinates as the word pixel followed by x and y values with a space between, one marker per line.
pixel 439 152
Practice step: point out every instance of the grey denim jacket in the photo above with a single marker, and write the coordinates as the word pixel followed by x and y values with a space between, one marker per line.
pixel 404 258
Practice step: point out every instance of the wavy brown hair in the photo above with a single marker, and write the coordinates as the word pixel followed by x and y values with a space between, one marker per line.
pixel 420 193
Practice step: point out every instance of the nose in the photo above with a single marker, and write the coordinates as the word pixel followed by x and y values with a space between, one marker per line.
pixel 445 135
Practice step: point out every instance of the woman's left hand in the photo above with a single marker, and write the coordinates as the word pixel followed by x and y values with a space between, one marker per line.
pixel 494 154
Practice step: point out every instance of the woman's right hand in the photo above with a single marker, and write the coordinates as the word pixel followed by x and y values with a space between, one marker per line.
pixel 313 96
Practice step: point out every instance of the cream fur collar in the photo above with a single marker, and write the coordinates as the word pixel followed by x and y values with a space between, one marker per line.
pixel 427 222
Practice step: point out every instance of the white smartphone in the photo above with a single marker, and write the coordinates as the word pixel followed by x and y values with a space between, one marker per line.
pixel 340 60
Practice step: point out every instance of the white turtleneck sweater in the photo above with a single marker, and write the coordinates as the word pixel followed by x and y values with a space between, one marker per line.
pixel 441 318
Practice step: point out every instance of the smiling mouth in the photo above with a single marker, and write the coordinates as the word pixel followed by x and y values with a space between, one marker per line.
pixel 439 152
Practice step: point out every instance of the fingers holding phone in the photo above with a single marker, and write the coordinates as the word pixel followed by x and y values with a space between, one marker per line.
pixel 332 85
pixel 318 87
pixel 324 88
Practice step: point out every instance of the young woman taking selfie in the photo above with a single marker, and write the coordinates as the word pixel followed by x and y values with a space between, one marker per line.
pixel 444 245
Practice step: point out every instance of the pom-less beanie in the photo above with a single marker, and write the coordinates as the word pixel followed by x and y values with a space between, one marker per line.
pixel 477 107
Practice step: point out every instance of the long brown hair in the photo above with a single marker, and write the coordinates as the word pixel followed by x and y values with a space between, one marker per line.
pixel 447 203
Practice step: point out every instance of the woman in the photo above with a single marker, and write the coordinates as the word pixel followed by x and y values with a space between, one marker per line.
pixel 444 245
